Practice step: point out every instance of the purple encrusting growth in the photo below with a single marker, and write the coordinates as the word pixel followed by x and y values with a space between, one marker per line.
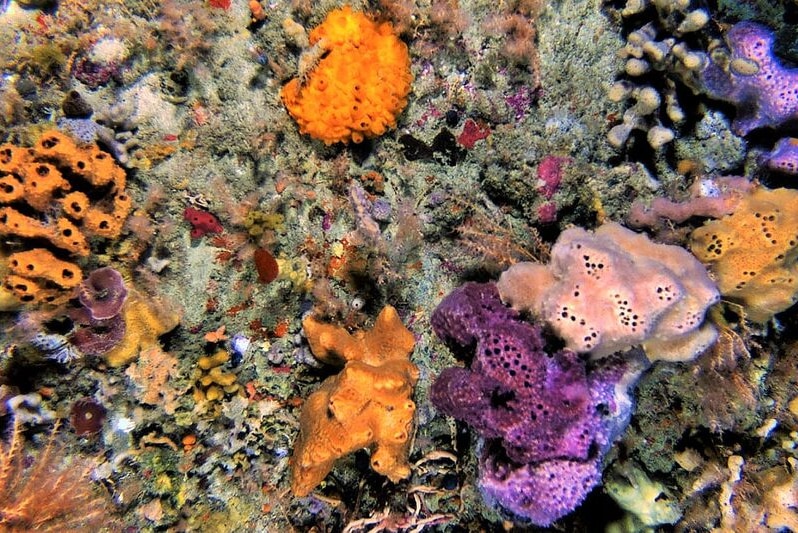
pixel 96 336
pixel 103 293
pixel 784 156
pixel 99 324
pixel 550 421
pixel 764 91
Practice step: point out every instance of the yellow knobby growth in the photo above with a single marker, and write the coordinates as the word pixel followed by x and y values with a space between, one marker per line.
pixel 258 222
pixel 369 404
pixel 145 321
pixel 213 383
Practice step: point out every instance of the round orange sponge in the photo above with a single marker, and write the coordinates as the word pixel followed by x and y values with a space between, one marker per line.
pixel 357 81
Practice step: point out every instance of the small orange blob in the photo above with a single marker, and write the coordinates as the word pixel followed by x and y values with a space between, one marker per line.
pixel 281 328
pixel 280 185
pixel 257 11
pixel 189 441
pixel 216 336
pixel 334 266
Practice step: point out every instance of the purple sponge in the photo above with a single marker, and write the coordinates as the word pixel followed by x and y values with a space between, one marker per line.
pixel 549 421
pixel 764 91
pixel 539 492
pixel 784 156
pixel 103 293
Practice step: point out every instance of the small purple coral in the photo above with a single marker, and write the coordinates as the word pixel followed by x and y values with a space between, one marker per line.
pixel 784 156
pixel 548 420
pixel 103 293
pixel 764 91
pixel 94 336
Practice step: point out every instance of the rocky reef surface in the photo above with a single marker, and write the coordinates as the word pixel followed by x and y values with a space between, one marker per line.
pixel 398 265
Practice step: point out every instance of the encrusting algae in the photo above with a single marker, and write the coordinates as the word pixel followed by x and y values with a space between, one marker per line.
pixel 368 404
pixel 145 321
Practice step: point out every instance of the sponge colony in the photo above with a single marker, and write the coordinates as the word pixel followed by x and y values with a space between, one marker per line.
pixel 54 198
pixel 359 85
pixel 612 289
pixel 367 405
pixel 753 253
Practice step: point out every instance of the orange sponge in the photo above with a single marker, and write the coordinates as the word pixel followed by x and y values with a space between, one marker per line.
pixel 32 268
pixel 57 194
pixel 753 253
pixel 358 81
pixel 368 404
pixel 41 263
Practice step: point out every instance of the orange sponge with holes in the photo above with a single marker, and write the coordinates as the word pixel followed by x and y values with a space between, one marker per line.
pixel 45 207
pixel 353 81
pixel 753 253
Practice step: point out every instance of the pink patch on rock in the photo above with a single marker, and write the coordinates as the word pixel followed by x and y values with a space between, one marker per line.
pixel 547 213
pixel 550 174
pixel 472 132
pixel 202 222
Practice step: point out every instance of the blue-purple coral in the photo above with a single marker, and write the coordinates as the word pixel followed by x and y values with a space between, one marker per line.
pixel 103 293
pixel 548 420
pixel 784 156
pixel 764 91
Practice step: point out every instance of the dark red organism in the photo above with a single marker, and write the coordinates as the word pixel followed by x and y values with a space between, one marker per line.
pixel 87 416
pixel 202 222
pixel 95 74
pixel 266 265
pixel 547 213
pixel 93 336
pixel 472 132
pixel 220 4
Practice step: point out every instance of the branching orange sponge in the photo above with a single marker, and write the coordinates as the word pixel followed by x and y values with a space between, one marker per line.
pixel 353 80
pixel 54 197
pixel 368 404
